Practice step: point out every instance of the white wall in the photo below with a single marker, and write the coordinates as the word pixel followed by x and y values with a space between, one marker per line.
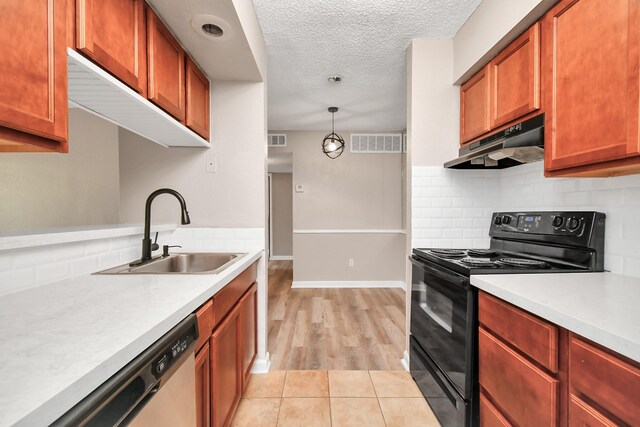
pixel 57 190
pixel 352 192
pixel 233 196
pixel 491 27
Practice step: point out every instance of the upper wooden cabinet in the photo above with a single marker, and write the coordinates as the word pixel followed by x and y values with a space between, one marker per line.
pixel 474 106
pixel 515 79
pixel 112 33
pixel 33 88
pixel 166 65
pixel 591 55
pixel 197 114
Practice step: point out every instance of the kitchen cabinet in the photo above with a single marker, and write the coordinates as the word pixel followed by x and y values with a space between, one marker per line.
pixel 203 388
pixel 592 88
pixel 166 68
pixel 226 387
pixel 226 348
pixel 248 307
pixel 197 99
pixel 515 79
pixel 531 375
pixel 112 33
pixel 474 106
pixel 33 89
pixel 607 380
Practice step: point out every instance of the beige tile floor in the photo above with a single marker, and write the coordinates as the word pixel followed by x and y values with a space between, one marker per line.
pixel 335 399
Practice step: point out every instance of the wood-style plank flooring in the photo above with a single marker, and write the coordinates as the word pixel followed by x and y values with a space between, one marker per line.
pixel 357 329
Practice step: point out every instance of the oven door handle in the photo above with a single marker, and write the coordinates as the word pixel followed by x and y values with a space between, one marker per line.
pixel 454 278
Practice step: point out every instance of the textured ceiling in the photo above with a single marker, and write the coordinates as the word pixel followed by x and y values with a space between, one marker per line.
pixel 364 41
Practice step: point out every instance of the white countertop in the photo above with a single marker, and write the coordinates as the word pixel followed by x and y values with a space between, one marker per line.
pixel 62 340
pixel 602 307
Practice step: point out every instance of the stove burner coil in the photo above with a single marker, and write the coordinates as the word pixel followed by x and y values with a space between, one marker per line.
pixel 523 263
pixel 481 252
pixel 478 262
pixel 448 253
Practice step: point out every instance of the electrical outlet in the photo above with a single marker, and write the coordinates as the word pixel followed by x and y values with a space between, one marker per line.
pixel 351 262
pixel 212 163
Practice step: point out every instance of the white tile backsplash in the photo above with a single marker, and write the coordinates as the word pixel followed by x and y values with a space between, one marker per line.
pixel 477 194
pixel 33 266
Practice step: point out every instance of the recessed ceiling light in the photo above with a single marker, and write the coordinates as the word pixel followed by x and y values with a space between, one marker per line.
pixel 211 27
pixel 212 30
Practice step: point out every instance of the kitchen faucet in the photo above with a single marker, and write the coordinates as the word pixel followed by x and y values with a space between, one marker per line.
pixel 147 246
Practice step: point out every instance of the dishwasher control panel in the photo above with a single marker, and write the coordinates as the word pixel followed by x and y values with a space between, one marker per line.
pixel 174 352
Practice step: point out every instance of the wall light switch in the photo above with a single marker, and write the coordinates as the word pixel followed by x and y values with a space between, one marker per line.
pixel 299 188
pixel 351 262
pixel 212 163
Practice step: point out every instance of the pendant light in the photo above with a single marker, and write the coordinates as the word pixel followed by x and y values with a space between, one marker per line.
pixel 333 144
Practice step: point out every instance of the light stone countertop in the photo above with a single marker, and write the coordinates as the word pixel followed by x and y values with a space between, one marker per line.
pixel 62 340
pixel 602 307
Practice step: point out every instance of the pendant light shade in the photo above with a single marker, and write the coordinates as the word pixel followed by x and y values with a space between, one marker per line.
pixel 333 144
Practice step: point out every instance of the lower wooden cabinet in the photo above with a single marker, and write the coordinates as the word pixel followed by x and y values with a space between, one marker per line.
pixel 203 388
pixel 581 414
pixel 248 338
pixel 226 387
pixel 590 386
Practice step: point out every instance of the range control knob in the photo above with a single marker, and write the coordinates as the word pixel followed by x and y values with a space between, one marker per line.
pixel 497 221
pixel 573 224
pixel 506 219
pixel 558 221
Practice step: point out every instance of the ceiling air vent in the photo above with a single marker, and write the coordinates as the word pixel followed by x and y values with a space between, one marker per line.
pixel 387 143
pixel 277 140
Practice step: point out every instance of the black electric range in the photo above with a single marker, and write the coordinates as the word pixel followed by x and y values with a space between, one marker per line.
pixel 443 350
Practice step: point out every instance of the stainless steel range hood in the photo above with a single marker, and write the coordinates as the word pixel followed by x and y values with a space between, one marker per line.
pixel 518 144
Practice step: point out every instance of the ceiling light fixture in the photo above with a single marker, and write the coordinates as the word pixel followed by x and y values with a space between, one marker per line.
pixel 333 144
pixel 212 30
pixel 334 78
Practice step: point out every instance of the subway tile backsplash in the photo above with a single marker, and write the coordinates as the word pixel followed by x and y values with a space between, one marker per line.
pixel 524 188
pixel 29 267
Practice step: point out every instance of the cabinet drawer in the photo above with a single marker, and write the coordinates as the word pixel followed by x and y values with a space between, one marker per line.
pixel 581 415
pixel 534 337
pixel 224 300
pixel 526 395
pixel 605 379
pixel 490 416
pixel 205 323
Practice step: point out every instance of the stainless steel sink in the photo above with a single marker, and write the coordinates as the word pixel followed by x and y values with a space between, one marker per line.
pixel 189 263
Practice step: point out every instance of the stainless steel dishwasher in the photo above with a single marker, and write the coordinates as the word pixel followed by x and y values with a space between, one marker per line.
pixel 157 388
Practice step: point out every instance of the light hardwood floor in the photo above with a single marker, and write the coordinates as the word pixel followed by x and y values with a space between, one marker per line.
pixel 358 329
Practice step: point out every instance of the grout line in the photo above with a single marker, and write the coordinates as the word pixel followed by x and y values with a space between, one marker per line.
pixel 384 420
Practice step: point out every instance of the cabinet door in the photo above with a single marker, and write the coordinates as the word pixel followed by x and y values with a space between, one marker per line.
pixel 474 106
pixel 583 415
pixel 197 114
pixel 225 371
pixel 591 51
pixel 515 78
pixel 524 393
pixel 203 388
pixel 248 337
pixel 112 33
pixel 490 416
pixel 33 87
pixel 166 68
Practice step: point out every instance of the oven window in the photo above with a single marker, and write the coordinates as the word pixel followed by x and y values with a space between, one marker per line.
pixel 438 307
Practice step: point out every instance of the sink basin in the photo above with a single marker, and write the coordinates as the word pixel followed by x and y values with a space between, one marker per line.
pixel 189 263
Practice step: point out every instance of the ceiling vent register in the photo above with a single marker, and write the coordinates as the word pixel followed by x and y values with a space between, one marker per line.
pixel 277 140
pixel 389 143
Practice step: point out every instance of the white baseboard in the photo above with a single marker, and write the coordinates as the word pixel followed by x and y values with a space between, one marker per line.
pixel 405 361
pixel 348 284
pixel 261 366
pixel 281 258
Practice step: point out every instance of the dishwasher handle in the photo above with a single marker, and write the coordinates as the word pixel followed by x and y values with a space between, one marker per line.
pixel 122 396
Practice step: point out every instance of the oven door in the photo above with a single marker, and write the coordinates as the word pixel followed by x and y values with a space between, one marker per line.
pixel 442 321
